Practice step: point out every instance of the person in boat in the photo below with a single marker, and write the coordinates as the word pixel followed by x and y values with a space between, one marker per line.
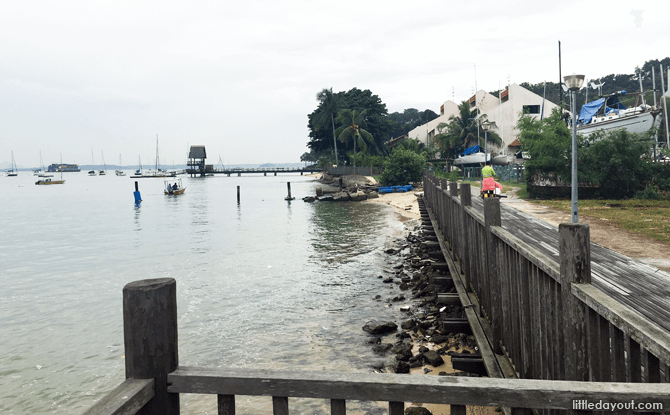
pixel 175 187
pixel 489 185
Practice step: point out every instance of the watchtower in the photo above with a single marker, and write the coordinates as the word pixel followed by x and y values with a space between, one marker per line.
pixel 196 160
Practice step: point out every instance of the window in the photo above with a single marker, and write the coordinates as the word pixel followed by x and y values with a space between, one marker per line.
pixel 531 109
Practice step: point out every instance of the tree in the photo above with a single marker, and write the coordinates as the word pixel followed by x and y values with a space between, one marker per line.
pixel 409 119
pixel 377 122
pixel 326 113
pixel 463 131
pixel 352 122
pixel 402 167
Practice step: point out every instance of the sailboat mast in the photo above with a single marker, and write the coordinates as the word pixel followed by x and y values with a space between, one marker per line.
pixel 156 153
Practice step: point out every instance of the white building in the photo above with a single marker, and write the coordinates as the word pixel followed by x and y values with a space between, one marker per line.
pixel 505 112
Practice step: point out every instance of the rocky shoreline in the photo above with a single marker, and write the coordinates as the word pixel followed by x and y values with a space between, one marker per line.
pixel 420 343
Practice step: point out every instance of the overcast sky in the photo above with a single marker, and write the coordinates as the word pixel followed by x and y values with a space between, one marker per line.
pixel 86 77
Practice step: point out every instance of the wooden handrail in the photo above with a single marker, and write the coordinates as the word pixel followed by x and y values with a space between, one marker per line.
pixel 126 399
pixel 519 393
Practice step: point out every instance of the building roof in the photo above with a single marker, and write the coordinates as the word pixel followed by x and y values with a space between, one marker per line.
pixel 197 152
pixel 515 143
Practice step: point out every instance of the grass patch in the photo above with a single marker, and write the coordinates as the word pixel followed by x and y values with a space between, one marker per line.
pixel 646 217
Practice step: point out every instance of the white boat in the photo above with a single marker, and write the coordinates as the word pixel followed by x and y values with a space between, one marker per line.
pixel 42 171
pixel 13 171
pixel 503 160
pixel 120 172
pixel 157 172
pixel 173 187
pixel 103 172
pixel 608 114
pixel 472 157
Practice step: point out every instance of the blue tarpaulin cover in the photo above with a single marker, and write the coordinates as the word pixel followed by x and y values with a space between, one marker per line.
pixel 590 109
pixel 471 150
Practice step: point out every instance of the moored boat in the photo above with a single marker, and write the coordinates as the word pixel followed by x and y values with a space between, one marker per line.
pixel 49 181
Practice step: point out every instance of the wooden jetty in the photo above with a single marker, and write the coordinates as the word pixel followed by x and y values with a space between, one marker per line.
pixel 551 335
pixel 264 170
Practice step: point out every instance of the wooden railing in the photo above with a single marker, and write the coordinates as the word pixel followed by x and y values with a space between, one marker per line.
pixel 155 381
pixel 545 315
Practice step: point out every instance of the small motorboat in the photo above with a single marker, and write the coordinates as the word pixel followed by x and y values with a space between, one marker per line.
pixel 174 187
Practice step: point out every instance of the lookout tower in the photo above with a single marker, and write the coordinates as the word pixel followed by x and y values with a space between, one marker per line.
pixel 196 160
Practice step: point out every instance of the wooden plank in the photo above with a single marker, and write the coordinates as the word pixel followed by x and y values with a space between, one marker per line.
pixel 338 407
pixel 653 369
pixel 402 388
pixel 635 361
pixel 536 326
pixel 225 404
pixel 396 408
pixel 605 350
pixel 279 405
pixel 544 262
pixel 525 368
pixel 593 344
pixel 126 399
pixel 652 337
pixel 458 409
pixel 618 358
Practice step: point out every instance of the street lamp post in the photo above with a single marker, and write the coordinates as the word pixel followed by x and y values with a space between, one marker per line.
pixel 574 83
pixel 486 126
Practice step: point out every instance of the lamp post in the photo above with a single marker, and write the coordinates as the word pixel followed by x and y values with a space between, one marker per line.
pixel 486 126
pixel 574 83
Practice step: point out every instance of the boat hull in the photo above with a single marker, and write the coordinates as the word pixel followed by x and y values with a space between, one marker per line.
pixel 471 160
pixel 635 123
pixel 47 182
pixel 175 192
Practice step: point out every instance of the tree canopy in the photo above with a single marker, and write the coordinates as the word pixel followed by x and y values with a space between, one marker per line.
pixel 377 122
pixel 409 119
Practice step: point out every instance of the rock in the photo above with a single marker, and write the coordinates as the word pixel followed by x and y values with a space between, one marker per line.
pixel 403 335
pixel 407 324
pixel 423 349
pixel 358 196
pixel 433 358
pixel 341 197
pixel 377 363
pixel 373 195
pixel 404 286
pixel 387 280
pixel 382 348
pixel 402 350
pixel 319 191
pixel 426 370
pixel 405 308
pixel 377 327
pixel 309 198
pixel 394 365
pixel 417 410
pixel 390 251
pixel 439 338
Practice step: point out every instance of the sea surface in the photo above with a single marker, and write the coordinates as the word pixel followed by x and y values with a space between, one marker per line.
pixel 265 283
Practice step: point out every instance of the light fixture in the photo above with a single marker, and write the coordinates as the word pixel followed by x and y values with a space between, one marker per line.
pixel 574 82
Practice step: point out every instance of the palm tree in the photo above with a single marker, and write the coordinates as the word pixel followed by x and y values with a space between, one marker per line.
pixel 328 105
pixel 351 121
pixel 463 130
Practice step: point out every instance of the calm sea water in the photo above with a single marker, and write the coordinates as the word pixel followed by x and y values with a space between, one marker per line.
pixel 261 284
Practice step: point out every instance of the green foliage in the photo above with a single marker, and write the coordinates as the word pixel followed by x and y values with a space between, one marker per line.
pixel 402 167
pixel 615 162
pixel 367 160
pixel 549 143
pixel 352 123
pixel 650 192
pixel 377 122
pixel 462 131
pixel 409 119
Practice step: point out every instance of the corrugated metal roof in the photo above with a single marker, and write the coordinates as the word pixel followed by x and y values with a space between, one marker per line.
pixel 197 152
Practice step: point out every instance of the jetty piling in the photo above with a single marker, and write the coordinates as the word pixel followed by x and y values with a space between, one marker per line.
pixel 238 194
pixel 288 186
pixel 136 193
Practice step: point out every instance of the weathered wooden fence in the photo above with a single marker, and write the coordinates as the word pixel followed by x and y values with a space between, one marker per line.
pixel 545 315
pixel 155 380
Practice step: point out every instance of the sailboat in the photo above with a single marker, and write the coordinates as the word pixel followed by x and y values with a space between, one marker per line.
pixel 13 171
pixel 41 172
pixel 153 173
pixel 92 172
pixel 120 172
pixel 46 180
pixel 103 172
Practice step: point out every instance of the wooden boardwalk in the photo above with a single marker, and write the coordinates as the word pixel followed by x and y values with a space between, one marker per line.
pixel 642 287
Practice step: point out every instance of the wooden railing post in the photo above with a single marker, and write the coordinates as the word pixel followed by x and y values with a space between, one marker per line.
pixel 150 337
pixel 574 248
pixel 492 218
pixel 466 200
pixel 454 220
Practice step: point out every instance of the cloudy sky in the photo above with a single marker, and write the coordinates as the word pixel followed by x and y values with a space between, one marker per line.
pixel 83 78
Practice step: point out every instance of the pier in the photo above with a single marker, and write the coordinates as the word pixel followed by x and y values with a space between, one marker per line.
pixel 557 319
pixel 209 170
